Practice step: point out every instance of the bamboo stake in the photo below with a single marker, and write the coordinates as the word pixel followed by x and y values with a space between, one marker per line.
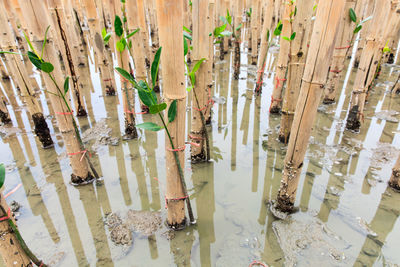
pixel 283 59
pixel 302 26
pixel 262 57
pixel 199 93
pixel 368 64
pixel 321 48
pixel 139 55
pixel 170 21
pixel 367 12
pixel 78 155
pixel 394 181
pixel 343 45
pixel 254 30
pixel 144 33
pixel 210 63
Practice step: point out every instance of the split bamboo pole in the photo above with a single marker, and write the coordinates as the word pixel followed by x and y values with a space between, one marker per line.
pixel 283 59
pixel 343 45
pixel 199 92
pixel 170 21
pixel 24 82
pixel 223 45
pixel 77 154
pixel 369 61
pixel 57 15
pixel 264 46
pixel 302 26
pixel 369 6
pixel 237 32
pixel 321 48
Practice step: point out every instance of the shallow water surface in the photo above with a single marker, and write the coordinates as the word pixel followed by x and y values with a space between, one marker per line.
pixel 347 213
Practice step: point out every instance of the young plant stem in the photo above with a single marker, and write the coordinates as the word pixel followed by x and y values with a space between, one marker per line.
pixel 21 241
pixel 181 175
pixel 78 135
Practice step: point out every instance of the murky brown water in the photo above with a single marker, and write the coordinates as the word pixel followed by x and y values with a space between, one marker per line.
pixel 348 215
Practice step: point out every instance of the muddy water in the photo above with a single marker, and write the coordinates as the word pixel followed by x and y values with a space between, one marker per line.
pixel 347 216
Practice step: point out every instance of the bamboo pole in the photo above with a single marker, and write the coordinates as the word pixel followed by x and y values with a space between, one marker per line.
pixel 321 48
pixel 10 249
pixel 394 181
pixel 367 12
pixel 255 17
pixel 75 150
pixel 210 63
pixel 368 65
pixel 199 92
pixel 262 57
pixel 283 59
pixel 144 33
pixel 170 21
pixel 128 102
pixel 139 55
pixel 343 45
pixel 302 26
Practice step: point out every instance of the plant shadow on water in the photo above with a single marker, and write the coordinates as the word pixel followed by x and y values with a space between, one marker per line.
pixel 348 214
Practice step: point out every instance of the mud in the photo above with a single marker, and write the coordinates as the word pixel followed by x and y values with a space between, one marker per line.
pixel 308 242
pixel 142 223
pixel 99 135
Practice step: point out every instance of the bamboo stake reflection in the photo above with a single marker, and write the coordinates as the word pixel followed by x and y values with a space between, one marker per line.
pixel 32 190
pixel 51 171
pixel 382 224
pixel 256 143
pixel 234 95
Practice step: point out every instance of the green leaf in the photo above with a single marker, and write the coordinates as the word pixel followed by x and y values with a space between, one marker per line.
pixel 352 15
pixel 293 36
pixel 189 88
pixel 151 126
pixel 267 35
pixel 357 29
pixel 286 38
pixel 295 11
pixel 66 85
pixel 218 42
pixel 47 67
pixel 125 74
pixel 145 97
pixel 132 33
pixel 315 7
pixel 172 111
pixel 123 1
pixel 107 37
pixel 2 175
pixel 120 45
pixel 187 36
pixel 103 33
pixel 35 60
pixel 157 108
pixel 228 17
pixel 44 41
pixel 238 27
pixel 155 65
pixel 278 29
pixel 185 47
pixel 30 45
pixel 219 29
pixel 187 29
pixel 9 52
pixel 197 65
pixel 118 26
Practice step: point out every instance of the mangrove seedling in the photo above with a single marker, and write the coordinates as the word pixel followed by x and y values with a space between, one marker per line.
pixel 149 98
pixel 13 230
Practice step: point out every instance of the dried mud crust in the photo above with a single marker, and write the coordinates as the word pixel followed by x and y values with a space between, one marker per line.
pixel 101 133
